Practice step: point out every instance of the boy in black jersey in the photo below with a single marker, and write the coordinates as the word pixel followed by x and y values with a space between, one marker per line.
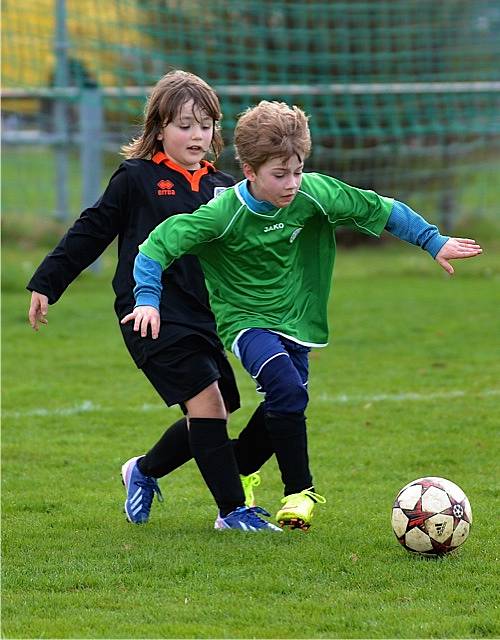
pixel 165 172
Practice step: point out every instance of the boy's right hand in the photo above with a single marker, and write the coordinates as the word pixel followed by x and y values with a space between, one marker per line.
pixel 38 310
pixel 456 248
pixel 143 317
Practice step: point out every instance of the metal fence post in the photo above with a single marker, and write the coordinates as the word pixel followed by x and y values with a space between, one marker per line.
pixel 60 113
pixel 91 131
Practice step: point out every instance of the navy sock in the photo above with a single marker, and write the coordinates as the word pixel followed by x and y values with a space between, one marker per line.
pixel 289 438
pixel 253 446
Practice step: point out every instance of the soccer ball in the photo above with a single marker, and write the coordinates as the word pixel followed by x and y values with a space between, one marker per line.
pixel 431 516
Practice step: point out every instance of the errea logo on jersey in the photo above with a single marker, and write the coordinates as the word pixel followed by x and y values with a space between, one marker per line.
pixel 165 188
pixel 274 227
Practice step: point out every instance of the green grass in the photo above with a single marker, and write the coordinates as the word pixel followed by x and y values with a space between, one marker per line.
pixel 408 387
pixel 22 197
pixel 472 182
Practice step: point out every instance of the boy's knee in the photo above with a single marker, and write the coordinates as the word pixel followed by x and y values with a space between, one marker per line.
pixel 287 397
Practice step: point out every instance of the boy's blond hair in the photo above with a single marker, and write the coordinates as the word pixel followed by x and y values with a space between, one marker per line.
pixel 271 130
pixel 172 91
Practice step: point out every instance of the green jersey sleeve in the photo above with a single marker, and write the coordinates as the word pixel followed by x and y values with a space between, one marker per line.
pixel 349 206
pixel 183 233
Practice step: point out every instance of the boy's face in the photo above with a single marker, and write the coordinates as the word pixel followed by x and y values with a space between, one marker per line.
pixel 187 138
pixel 277 180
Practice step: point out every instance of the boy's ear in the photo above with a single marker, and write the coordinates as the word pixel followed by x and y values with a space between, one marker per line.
pixel 248 172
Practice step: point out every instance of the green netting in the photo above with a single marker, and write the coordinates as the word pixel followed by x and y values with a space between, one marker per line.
pixel 127 42
pixel 403 96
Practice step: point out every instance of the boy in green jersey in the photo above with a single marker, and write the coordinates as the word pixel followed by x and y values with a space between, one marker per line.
pixel 267 248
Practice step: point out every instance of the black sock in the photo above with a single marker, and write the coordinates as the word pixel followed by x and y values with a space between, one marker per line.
pixel 213 451
pixel 170 452
pixel 289 438
pixel 253 446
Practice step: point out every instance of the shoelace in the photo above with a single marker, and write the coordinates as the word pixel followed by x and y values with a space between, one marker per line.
pixel 315 497
pixel 253 479
pixel 259 510
pixel 251 516
pixel 150 483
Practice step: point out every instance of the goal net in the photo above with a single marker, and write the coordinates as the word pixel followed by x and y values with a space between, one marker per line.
pixel 403 97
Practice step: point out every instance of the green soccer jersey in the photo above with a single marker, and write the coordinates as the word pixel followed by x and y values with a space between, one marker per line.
pixel 270 270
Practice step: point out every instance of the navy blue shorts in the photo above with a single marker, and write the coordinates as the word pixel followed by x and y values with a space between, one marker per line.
pixel 279 366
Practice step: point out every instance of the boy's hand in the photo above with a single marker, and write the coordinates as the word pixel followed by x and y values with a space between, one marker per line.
pixel 457 248
pixel 38 309
pixel 143 317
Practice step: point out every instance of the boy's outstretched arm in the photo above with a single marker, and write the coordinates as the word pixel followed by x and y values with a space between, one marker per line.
pixel 456 248
pixel 171 239
pixel 406 224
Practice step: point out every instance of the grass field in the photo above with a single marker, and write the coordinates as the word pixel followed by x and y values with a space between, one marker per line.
pixel 409 386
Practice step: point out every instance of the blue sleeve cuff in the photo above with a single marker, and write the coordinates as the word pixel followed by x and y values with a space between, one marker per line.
pixel 435 244
pixel 406 224
pixel 147 276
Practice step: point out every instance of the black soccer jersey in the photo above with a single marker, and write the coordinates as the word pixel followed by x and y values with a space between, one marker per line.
pixel 140 195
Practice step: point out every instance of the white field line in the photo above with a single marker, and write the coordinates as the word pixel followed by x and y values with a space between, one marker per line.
pixel 87 406
pixel 404 397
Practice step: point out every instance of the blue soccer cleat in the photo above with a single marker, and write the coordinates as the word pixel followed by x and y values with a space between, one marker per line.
pixel 140 492
pixel 246 519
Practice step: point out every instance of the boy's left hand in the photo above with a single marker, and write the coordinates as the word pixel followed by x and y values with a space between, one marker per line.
pixel 457 248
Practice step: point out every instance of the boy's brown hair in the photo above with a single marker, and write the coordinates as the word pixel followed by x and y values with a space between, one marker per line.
pixel 271 130
pixel 164 103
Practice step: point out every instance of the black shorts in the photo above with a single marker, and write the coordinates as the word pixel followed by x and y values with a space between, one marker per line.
pixel 182 370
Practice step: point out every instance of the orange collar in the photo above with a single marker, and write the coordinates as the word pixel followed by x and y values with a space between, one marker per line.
pixel 192 178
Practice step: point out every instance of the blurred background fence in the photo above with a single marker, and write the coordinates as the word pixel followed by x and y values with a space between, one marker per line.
pixel 404 95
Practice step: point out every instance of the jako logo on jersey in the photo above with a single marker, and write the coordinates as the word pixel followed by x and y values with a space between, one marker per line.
pixel 295 234
pixel 274 227
pixel 165 188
